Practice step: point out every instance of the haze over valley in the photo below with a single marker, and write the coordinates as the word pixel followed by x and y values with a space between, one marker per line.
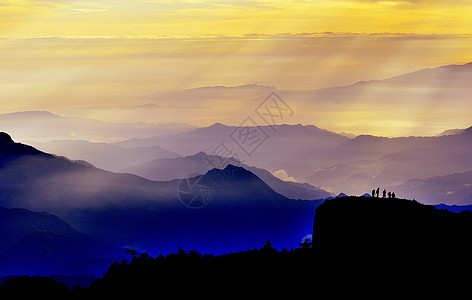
pixel 144 141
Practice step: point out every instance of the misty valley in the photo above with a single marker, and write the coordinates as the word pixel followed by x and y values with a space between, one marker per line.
pixel 72 221
pixel 247 149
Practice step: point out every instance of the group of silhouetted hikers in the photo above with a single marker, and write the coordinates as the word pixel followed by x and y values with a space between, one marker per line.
pixel 375 193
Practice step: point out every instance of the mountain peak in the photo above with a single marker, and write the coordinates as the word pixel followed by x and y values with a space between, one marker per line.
pixel 9 149
pixel 234 172
pixel 234 183
pixel 32 114
pixel 199 155
pixel 467 65
pixel 217 125
pixel 231 167
pixel 468 131
pixel 5 139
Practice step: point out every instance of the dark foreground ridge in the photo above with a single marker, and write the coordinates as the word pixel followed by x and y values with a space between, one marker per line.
pixel 364 242
pixel 391 228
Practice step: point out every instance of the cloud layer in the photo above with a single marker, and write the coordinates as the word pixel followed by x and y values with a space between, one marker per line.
pixel 29 18
pixel 105 59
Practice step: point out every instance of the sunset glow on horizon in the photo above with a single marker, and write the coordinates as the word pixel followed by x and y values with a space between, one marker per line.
pixel 98 59
pixel 154 18
pixel 143 140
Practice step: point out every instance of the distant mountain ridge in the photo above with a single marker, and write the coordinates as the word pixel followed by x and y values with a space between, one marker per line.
pixel 46 126
pixel 40 243
pixel 104 155
pixel 363 162
pixel 424 76
pixel 438 73
pixel 270 152
pixel 17 223
pixel 451 132
pixel 321 158
pixel 366 161
pixel 316 157
pixel 200 163
pixel 453 189
pixel 240 210
pixel 218 132
pixel 10 149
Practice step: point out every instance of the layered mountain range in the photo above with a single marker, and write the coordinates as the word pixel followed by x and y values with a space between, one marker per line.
pixel 336 162
pixel 77 193
pixel 42 244
pixel 220 211
pixel 320 159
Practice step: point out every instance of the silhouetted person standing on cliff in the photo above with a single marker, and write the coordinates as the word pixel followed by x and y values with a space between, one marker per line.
pixel 378 190
pixel 393 195
pixel 373 193
pixel 384 193
pixel 389 195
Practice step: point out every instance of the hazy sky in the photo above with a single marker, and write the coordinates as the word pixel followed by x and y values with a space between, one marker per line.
pixel 90 58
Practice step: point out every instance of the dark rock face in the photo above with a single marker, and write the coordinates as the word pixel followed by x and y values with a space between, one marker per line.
pixel 386 233
pixel 10 150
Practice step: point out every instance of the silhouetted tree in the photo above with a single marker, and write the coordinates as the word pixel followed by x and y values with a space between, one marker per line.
pixel 267 249
pixel 194 253
pixel 306 244
pixel 361 221
pixel 132 252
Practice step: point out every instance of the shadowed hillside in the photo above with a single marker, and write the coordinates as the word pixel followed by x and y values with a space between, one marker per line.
pixel 103 155
pixel 358 242
pixel 390 233
pixel 225 210
pixel 200 163
pixel 35 243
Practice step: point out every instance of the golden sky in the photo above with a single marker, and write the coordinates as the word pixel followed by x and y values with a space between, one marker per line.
pixel 87 57
pixel 152 18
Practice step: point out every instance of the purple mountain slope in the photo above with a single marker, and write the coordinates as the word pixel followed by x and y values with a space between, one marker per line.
pixel 208 212
pixel 42 244
pixel 453 189
pixel 200 163
pixel 104 155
